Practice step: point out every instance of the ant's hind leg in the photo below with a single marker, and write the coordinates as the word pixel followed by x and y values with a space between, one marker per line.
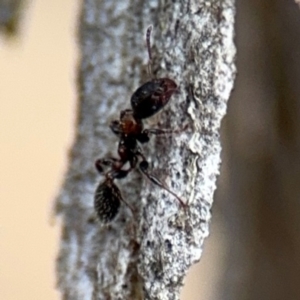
pixel 106 162
pixel 144 136
pixel 116 165
pixel 158 131
pixel 144 168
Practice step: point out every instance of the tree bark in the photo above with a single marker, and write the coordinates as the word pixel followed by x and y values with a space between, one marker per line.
pixel 145 255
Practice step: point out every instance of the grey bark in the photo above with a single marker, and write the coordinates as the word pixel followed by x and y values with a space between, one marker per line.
pixel 146 256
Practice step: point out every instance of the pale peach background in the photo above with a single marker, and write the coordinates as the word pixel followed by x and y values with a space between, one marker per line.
pixel 37 109
pixel 37 115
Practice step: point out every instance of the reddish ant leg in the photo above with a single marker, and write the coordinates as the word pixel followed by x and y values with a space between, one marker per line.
pixel 158 131
pixel 144 137
pixel 144 168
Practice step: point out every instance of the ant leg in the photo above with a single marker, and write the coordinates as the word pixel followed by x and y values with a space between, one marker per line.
pixel 107 162
pixel 144 136
pixel 123 173
pixel 159 131
pixel 116 165
pixel 144 168
pixel 119 173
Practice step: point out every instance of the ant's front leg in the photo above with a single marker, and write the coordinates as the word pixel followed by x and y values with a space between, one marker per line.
pixel 144 168
pixel 158 131
pixel 144 137
pixel 116 165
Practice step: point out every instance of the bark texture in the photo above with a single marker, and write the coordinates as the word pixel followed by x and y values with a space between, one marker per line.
pixel 146 256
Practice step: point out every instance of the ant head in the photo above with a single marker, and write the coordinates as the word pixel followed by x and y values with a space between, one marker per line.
pixel 151 97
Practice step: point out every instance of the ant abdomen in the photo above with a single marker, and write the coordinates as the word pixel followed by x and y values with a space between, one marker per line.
pixel 151 97
pixel 107 201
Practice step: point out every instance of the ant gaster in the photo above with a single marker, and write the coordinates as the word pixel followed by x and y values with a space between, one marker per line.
pixel 146 101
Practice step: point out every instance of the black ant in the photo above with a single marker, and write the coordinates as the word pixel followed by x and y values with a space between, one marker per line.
pixel 146 101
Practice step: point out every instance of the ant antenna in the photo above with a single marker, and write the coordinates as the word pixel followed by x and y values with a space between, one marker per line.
pixel 148 35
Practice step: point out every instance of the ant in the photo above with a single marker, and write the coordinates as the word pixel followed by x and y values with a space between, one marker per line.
pixel 146 101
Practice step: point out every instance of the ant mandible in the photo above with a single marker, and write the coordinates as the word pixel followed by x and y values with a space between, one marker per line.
pixel 146 101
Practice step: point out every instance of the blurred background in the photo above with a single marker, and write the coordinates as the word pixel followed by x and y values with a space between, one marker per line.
pixel 253 251
pixel 38 60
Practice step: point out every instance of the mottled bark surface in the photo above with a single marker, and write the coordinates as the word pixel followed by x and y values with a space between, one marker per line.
pixel 146 256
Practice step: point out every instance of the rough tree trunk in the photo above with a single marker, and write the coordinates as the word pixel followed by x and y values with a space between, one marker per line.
pixel 146 256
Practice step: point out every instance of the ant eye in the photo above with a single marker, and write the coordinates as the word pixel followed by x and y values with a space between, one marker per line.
pixel 107 201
